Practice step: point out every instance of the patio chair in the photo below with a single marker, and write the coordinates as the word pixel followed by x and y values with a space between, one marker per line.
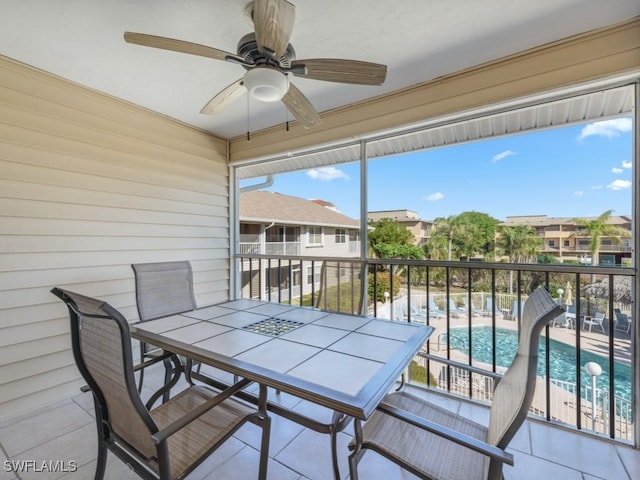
pixel 341 287
pixel 434 443
pixel 434 310
pixel 475 310
pixel 595 321
pixel 623 322
pixel 561 321
pixel 489 306
pixel 166 442
pixel 514 314
pixel 456 310
pixel 162 289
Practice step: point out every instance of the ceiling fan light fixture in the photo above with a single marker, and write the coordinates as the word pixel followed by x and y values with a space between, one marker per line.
pixel 266 84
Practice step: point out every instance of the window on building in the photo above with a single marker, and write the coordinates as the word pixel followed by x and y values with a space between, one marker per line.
pixel 552 243
pixel 315 236
pixel 567 243
pixel 341 235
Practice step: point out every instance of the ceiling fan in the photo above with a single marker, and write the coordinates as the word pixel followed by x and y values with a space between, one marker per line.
pixel 269 59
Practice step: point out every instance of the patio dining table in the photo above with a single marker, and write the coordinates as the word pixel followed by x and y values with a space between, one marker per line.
pixel 345 363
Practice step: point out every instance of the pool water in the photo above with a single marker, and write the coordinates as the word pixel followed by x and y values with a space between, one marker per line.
pixel 562 357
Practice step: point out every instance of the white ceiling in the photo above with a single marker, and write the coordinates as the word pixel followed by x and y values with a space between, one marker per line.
pixel 419 40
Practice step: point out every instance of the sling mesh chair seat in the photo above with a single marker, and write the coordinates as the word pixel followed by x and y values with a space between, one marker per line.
pixel 162 289
pixel 341 286
pixel 166 442
pixel 435 443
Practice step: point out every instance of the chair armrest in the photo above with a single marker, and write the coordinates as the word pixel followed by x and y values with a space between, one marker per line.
pixel 480 371
pixel 457 437
pixel 183 421
pixel 154 360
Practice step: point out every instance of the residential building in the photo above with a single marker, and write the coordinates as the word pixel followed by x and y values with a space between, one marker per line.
pixel 421 229
pixel 560 238
pixel 272 223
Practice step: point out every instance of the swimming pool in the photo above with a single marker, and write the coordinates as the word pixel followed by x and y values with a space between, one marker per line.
pixel 562 357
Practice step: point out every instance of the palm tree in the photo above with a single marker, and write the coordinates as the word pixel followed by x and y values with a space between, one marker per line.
pixel 520 243
pixel 444 228
pixel 595 230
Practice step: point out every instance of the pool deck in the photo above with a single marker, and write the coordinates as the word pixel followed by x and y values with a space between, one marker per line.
pixel 563 404
pixel 595 341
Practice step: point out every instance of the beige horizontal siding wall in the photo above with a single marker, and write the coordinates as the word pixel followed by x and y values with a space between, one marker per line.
pixel 576 60
pixel 89 185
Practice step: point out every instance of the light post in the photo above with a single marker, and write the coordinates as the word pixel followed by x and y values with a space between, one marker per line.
pixel 388 305
pixel 595 371
pixel 560 293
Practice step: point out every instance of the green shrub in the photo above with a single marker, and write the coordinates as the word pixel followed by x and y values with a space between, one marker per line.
pixel 383 284
pixel 418 374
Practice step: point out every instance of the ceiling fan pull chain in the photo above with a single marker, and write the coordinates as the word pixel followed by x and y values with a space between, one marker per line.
pixel 248 120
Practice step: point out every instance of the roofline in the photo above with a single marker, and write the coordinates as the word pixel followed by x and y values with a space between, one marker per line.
pixel 299 223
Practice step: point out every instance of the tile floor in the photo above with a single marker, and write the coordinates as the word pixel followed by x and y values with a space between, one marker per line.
pixel 65 431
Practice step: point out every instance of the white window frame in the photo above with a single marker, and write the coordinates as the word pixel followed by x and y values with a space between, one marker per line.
pixel 312 234
pixel 341 235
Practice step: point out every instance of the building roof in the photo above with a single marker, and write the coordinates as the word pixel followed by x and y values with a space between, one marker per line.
pixel 263 206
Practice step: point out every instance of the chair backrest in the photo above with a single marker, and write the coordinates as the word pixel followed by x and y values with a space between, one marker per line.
pixel 433 307
pixel 163 289
pixel 341 286
pixel 514 393
pixel 489 302
pixel 622 318
pixel 101 343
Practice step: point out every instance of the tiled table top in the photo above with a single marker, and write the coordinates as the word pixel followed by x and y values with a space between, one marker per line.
pixel 344 362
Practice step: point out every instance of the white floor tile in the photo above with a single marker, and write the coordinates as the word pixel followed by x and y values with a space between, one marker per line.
pixel 244 466
pixel 42 427
pixel 580 452
pixel 310 455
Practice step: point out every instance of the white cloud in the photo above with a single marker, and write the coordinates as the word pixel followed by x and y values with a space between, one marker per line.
pixel 434 197
pixel 596 187
pixel 327 174
pixel 616 170
pixel 578 193
pixel 502 155
pixel 619 184
pixel 626 164
pixel 606 128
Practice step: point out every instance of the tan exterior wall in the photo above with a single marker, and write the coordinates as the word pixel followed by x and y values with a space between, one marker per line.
pixel 586 57
pixel 89 185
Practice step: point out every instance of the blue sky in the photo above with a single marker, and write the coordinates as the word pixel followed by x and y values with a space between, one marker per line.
pixel 574 171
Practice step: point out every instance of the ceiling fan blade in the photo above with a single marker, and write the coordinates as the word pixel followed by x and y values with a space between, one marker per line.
pixel 273 23
pixel 300 107
pixel 224 98
pixel 181 46
pixel 342 71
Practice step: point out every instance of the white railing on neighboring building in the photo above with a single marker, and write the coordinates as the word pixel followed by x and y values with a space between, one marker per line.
pixel 270 248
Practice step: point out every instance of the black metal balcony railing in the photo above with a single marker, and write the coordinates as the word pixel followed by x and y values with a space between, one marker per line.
pixel 474 307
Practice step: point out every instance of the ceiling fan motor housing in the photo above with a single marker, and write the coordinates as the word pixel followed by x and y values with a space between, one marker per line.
pixel 248 49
